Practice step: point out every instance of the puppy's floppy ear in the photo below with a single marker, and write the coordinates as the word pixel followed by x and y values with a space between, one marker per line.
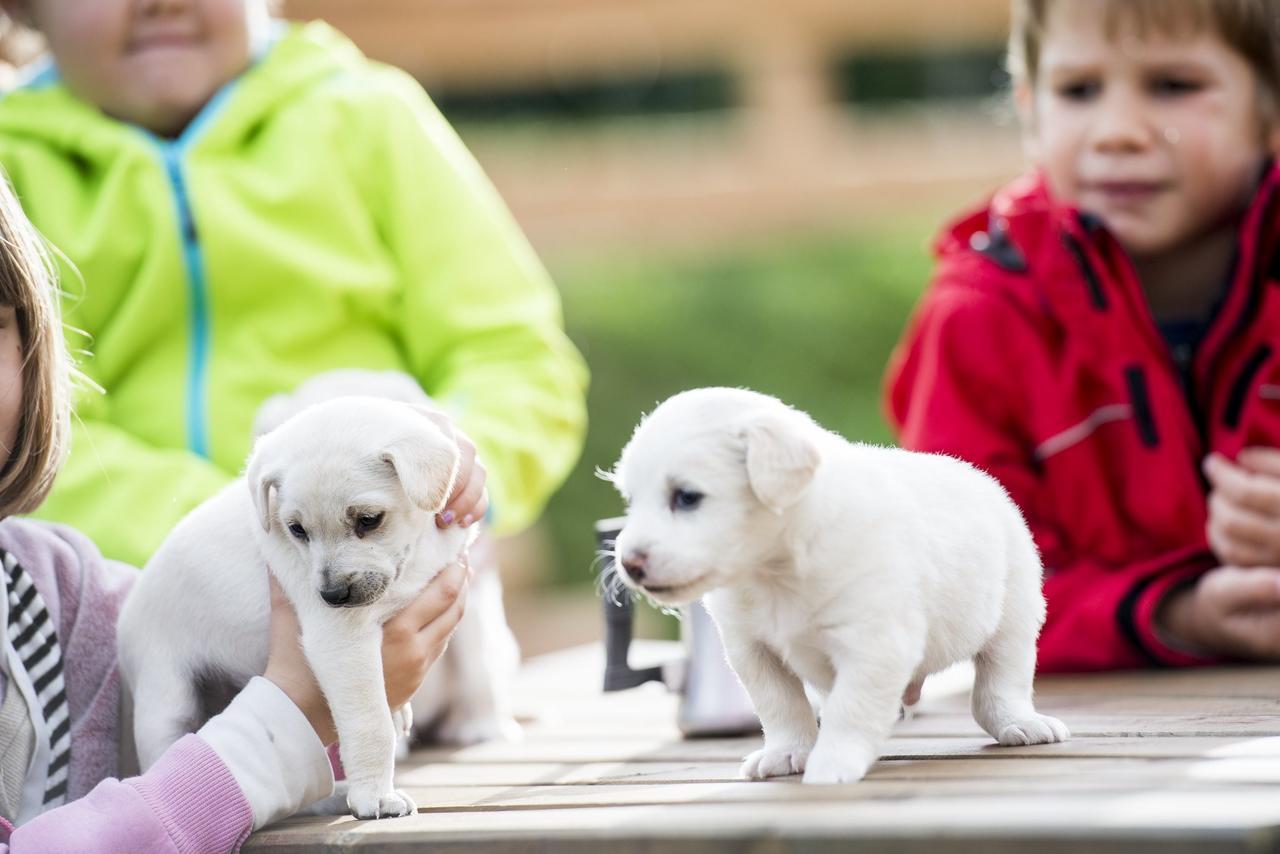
pixel 426 462
pixel 781 461
pixel 261 483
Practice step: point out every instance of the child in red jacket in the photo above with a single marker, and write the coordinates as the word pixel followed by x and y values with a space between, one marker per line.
pixel 1104 335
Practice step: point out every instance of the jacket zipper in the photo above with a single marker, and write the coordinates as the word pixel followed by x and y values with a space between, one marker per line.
pixel 1196 422
pixel 198 314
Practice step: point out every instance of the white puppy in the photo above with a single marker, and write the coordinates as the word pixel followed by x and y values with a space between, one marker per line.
pixel 340 502
pixel 857 569
pixel 466 697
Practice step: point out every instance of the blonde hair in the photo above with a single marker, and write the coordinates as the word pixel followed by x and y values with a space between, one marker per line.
pixel 1249 27
pixel 27 282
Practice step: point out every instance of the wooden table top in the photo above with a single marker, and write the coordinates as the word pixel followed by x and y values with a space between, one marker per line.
pixel 1168 761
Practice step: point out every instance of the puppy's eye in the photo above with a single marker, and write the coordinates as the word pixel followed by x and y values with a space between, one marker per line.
pixel 299 532
pixel 685 499
pixel 367 522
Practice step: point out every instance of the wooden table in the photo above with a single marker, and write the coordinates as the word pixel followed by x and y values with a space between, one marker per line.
pixel 1159 761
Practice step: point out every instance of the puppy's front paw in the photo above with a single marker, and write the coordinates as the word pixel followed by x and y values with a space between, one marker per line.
pixel 370 803
pixel 774 762
pixel 1037 729
pixel 828 766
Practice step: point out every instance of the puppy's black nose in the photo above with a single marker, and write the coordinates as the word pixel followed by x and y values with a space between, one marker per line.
pixel 339 594
pixel 635 564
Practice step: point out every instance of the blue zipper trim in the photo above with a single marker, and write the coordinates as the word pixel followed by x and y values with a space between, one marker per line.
pixel 171 154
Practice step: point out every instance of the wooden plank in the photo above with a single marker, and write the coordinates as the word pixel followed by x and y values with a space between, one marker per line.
pixel 732 750
pixel 1214 819
pixel 1132 770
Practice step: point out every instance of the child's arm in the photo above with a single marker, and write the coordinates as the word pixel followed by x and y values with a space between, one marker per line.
pixel 256 762
pixel 188 801
pixel 953 391
pixel 481 325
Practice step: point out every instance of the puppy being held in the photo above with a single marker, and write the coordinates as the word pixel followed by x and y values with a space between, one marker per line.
pixel 339 502
pixel 857 569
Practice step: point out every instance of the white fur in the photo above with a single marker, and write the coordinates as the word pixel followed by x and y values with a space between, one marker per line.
pixel 856 569
pixel 201 605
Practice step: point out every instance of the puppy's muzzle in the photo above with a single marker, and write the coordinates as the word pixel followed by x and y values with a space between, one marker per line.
pixel 350 590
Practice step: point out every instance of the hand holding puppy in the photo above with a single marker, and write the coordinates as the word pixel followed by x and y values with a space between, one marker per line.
pixel 412 641
pixel 1244 507
pixel 469 500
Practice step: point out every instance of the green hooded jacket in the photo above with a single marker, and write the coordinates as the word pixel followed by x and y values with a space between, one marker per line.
pixel 318 213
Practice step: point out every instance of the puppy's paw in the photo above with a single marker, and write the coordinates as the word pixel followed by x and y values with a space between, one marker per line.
pixel 828 766
pixel 476 730
pixel 1036 729
pixel 367 802
pixel 774 762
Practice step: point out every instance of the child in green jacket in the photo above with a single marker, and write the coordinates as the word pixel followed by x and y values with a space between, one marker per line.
pixel 242 204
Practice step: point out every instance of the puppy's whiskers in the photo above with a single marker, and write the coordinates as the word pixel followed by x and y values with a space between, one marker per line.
pixel 608 581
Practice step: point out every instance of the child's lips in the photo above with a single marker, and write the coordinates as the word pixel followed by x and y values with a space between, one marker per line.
pixel 1127 192
pixel 160 41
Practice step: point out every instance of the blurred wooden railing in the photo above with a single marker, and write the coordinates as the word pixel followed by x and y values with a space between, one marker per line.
pixel 789 151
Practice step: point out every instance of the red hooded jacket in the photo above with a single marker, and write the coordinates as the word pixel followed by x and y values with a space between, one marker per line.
pixel 1034 355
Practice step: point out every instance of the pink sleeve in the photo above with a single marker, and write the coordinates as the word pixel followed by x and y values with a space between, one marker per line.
pixel 187 802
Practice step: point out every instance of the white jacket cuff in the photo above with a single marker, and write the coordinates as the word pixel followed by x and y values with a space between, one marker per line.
pixel 272 751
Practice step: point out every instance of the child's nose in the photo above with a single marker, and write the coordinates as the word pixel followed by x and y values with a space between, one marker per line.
pixel 1121 125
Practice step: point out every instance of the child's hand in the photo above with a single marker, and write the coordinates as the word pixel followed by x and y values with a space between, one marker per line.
pixel 469 500
pixel 1229 611
pixel 412 640
pixel 1244 507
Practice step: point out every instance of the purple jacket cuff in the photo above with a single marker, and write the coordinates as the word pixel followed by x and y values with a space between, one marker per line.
pixel 194 796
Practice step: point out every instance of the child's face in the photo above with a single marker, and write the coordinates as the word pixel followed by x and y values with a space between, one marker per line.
pixel 1161 136
pixel 154 63
pixel 10 380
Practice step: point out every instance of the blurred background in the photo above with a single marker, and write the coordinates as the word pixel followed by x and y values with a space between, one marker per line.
pixel 727 192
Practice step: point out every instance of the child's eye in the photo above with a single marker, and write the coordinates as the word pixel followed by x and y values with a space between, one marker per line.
pixel 1166 86
pixel 1078 90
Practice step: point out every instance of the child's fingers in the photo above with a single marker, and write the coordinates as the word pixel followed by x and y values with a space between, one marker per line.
pixel 1237 553
pixel 466 469
pixel 471 504
pixel 1234 523
pixel 1261 460
pixel 436 634
pixel 432 603
pixel 1259 492
pixel 1236 589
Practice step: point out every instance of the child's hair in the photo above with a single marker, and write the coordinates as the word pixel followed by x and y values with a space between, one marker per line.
pixel 27 283
pixel 1249 27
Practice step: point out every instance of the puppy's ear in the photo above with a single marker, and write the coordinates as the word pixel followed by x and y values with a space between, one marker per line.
pixel 260 485
pixel 781 462
pixel 426 464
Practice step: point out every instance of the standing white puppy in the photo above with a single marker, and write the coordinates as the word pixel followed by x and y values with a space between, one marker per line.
pixel 857 569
